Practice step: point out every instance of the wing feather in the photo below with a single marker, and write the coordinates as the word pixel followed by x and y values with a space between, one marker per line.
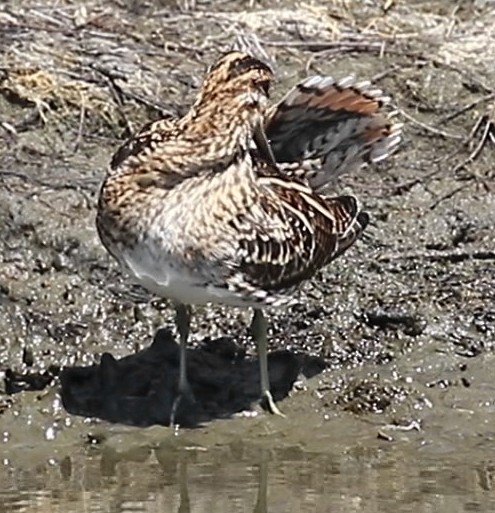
pixel 336 125
pixel 304 232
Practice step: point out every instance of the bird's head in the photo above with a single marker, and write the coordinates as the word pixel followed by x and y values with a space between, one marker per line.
pixel 237 86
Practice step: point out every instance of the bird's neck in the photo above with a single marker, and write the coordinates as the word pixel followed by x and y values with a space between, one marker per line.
pixel 220 122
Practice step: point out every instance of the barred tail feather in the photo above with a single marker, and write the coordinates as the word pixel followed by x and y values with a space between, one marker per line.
pixel 327 127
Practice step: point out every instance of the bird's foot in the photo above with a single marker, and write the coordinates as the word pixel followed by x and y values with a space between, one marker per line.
pixel 267 403
pixel 183 395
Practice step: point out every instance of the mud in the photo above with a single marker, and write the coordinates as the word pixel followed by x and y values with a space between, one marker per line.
pixel 404 324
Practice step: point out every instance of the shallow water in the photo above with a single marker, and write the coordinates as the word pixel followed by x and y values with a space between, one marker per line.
pixel 237 478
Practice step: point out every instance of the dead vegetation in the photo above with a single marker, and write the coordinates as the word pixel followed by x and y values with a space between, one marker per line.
pixel 98 70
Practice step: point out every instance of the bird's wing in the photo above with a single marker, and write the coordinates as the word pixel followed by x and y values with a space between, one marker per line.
pixel 143 142
pixel 337 125
pixel 290 233
pixel 160 154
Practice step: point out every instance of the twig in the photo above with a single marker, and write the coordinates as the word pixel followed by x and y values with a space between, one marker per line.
pixel 470 158
pixel 477 150
pixel 49 19
pixel 80 128
pixel 10 129
pixel 383 74
pixel 325 46
pixel 446 196
pixel 429 128
pixel 466 108
pixel 475 128
pixel 158 107
pixel 117 92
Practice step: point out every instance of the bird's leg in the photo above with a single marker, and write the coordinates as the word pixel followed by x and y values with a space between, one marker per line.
pixel 182 322
pixel 259 330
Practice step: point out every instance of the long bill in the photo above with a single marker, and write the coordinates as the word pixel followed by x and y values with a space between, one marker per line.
pixel 263 145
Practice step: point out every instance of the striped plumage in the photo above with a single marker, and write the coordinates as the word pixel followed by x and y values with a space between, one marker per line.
pixel 298 235
pixel 325 127
pixel 197 211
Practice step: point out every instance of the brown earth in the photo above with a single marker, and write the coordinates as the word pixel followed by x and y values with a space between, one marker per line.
pixel 405 322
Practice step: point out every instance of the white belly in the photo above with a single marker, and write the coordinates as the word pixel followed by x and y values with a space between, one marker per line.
pixel 170 279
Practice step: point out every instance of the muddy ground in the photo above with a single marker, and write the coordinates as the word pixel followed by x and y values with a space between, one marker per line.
pixel 404 323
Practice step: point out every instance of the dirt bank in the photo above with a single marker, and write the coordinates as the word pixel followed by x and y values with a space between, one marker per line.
pixel 405 322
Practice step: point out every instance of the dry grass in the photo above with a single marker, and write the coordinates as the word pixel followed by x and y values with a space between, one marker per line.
pixel 98 70
pixel 107 58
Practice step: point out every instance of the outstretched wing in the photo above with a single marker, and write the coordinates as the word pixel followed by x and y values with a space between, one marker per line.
pixel 338 124
pixel 291 233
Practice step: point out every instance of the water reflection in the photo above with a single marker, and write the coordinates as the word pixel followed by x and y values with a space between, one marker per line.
pixel 245 479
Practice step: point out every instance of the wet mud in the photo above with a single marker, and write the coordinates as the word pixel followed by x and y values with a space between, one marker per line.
pixel 391 346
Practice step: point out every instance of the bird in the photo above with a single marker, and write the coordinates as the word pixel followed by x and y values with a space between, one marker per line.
pixel 221 206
